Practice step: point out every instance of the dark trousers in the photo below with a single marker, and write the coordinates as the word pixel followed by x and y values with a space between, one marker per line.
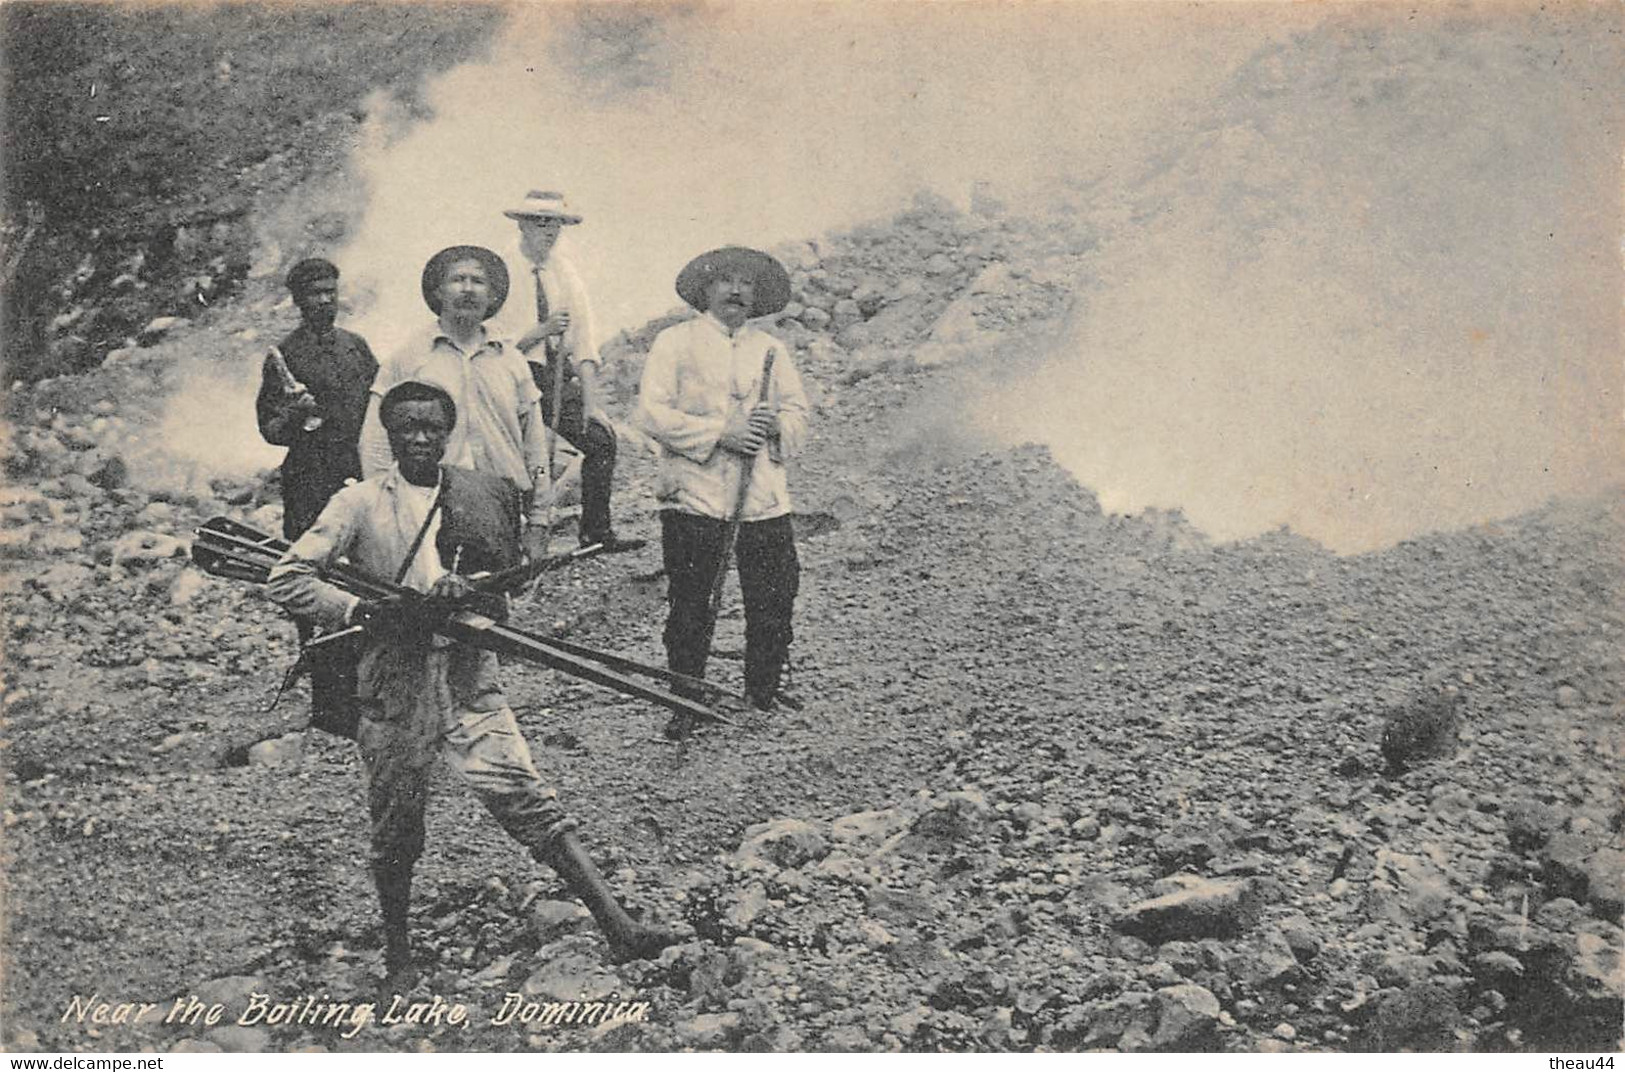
pixel 594 439
pixel 769 577
pixel 597 446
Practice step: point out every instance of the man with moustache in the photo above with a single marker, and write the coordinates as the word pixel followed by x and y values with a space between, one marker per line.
pixel 314 403
pixel 426 697
pixel 499 428
pixel 701 400
pixel 562 347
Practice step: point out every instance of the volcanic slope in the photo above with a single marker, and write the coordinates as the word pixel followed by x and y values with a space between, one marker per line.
pixel 1062 779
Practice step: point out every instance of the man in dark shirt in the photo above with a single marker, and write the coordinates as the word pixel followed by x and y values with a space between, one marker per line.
pixel 321 424
pixel 313 397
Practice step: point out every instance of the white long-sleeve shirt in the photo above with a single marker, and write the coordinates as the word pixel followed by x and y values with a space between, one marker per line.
pixel 696 376
pixel 565 293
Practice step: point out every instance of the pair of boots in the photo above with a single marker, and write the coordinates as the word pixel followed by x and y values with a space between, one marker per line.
pixel 628 938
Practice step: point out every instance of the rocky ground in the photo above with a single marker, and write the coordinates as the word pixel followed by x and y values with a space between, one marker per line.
pixel 1063 779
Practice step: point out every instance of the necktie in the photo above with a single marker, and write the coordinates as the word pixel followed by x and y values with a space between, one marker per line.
pixel 550 345
pixel 541 295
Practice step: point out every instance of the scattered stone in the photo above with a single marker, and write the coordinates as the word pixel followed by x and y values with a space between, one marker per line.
pixel 64 581
pixel 142 548
pixel 1206 909
pixel 1251 863
pixel 1560 915
pixel 708 1030
pixel 1422 1018
pixel 112 473
pixel 855 336
pixel 1530 823
pixel 1424 886
pixel 782 843
pixel 1426 727
pixel 16 541
pixel 573 977
pixel 866 827
pixel 1605 882
pixel 160 327
pixel 278 751
pixel 1185 957
pixel 1183 850
pixel 1159 973
pixel 1267 961
pixel 1564 867
pixel 747 905
pixel 1597 966
pixel 1187 1019
pixel 953 820
pixel 59 542
pixel 547 920
pixel 1301 938
pixel 1498 969
pixel 1394 968
pixel 232 991
pixel 187 586
pixel 234 1038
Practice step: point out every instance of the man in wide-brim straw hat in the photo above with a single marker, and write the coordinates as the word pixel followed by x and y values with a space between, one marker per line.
pixel 499 427
pixel 724 440
pixel 561 343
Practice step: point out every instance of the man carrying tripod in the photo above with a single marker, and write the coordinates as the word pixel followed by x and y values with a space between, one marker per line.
pixel 424 697
pixel 725 403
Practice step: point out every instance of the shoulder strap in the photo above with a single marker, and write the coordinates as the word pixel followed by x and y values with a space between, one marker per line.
pixel 423 530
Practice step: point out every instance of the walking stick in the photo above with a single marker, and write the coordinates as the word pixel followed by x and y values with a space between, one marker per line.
pixel 730 535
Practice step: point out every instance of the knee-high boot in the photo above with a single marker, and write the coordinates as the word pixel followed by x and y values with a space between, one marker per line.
pixel 628 939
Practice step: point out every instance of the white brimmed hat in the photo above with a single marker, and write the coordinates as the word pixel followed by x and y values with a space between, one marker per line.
pixel 542 205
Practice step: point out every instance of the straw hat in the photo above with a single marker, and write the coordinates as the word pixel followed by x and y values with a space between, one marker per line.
pixel 771 291
pixel 542 205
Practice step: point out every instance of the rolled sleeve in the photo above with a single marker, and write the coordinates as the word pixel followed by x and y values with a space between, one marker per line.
pixel 296 583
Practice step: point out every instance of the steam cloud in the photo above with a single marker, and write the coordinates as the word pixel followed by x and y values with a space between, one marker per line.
pixel 1367 283
pixel 674 130
pixel 1377 292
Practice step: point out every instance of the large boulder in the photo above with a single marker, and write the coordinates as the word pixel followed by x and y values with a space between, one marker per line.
pixel 782 843
pixel 1421 1018
pixel 1187 1019
pixel 1203 909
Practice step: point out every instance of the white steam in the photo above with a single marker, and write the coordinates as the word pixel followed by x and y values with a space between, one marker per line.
pixel 674 130
pixel 1376 294
pixel 1362 263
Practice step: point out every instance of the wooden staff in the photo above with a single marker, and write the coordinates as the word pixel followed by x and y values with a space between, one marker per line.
pixel 730 537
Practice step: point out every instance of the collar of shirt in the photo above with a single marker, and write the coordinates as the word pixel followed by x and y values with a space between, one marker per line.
pixel 393 480
pixel 708 318
pixel 486 341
